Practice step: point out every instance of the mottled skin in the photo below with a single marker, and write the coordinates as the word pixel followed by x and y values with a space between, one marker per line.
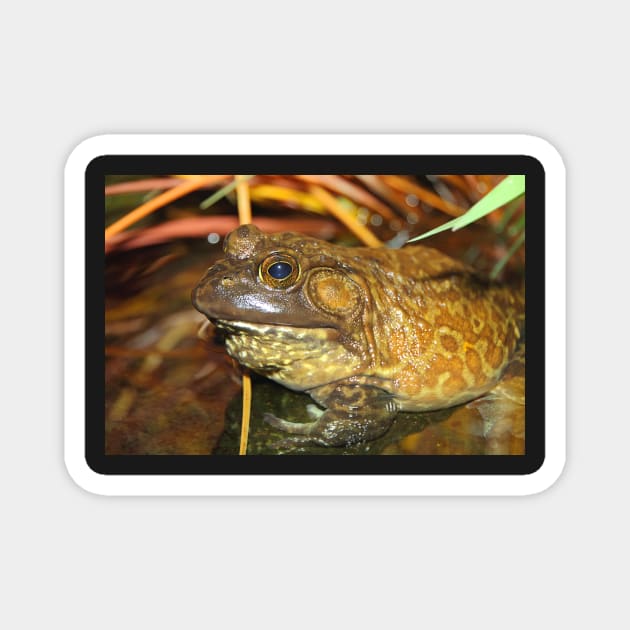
pixel 366 332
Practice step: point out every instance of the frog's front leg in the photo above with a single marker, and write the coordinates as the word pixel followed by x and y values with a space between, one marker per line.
pixel 354 413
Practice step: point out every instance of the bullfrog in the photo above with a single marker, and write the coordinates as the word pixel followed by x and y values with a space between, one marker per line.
pixel 367 332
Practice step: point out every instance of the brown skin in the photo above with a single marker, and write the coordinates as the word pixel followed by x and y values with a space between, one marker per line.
pixel 366 332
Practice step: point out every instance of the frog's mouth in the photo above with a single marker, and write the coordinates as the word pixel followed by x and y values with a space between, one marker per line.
pixel 250 313
pixel 276 331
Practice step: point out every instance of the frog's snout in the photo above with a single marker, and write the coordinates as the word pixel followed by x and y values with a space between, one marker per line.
pixel 219 293
pixel 202 294
pixel 195 298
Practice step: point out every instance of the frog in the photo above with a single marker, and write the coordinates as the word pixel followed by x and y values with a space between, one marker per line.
pixel 367 332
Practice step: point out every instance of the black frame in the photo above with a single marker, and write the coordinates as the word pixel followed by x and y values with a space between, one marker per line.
pixel 525 464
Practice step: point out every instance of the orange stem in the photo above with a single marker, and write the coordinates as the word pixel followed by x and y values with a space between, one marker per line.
pixel 242 200
pixel 428 197
pixel 142 185
pixel 340 213
pixel 342 186
pixel 160 201
pixel 247 406
pixel 244 216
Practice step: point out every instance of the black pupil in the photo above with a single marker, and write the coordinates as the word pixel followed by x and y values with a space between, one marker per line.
pixel 280 270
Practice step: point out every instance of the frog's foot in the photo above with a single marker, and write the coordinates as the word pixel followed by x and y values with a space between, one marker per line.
pixel 354 414
pixel 300 428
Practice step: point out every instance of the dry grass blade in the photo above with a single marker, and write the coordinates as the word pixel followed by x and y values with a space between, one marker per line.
pixel 200 227
pixel 393 196
pixel 242 199
pixel 188 186
pixel 342 186
pixel 244 216
pixel 340 213
pixel 457 181
pixel 288 197
pixel 247 405
pixel 513 249
pixel 426 196
pixel 142 185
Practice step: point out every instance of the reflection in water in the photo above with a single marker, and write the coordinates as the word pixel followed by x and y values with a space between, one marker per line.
pixel 167 392
pixel 492 425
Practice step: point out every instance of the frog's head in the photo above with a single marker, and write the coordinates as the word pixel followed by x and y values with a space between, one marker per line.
pixel 281 294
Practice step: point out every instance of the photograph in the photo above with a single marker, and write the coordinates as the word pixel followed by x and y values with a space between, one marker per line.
pixel 310 314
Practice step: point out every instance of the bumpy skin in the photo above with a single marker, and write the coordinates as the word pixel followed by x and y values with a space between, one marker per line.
pixel 366 332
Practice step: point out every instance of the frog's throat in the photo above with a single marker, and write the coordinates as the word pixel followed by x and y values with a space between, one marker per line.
pixel 298 358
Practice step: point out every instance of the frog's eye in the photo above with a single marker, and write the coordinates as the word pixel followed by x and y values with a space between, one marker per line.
pixel 279 271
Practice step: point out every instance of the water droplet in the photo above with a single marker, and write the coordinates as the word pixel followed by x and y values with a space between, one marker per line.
pixel 362 215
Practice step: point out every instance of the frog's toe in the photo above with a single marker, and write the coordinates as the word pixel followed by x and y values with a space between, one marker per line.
pixel 299 428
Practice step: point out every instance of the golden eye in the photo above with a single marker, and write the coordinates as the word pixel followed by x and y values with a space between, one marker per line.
pixel 279 271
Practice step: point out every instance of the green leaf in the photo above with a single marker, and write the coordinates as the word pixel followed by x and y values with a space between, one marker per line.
pixel 222 192
pixel 510 188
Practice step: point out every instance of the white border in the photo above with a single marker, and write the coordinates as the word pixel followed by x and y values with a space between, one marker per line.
pixel 327 485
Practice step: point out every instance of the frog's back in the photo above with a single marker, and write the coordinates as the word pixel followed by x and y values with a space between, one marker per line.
pixel 441 334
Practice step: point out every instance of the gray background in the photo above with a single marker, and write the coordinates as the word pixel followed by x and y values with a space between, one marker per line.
pixel 73 70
